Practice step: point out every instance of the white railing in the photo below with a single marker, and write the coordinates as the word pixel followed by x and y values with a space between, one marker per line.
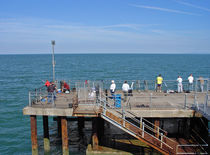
pixel 142 124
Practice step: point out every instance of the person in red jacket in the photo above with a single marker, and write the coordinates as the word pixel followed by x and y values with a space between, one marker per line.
pixel 66 87
pixel 47 83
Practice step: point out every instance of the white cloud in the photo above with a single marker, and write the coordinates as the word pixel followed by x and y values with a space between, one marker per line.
pixel 194 6
pixel 164 9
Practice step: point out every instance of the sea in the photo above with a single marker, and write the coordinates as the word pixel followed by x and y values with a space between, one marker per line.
pixel 21 73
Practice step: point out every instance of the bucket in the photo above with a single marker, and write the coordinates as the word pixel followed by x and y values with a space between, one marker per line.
pixel 117 99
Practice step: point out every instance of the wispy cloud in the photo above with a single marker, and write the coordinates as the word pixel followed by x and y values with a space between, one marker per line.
pixel 164 9
pixel 191 5
pixel 23 36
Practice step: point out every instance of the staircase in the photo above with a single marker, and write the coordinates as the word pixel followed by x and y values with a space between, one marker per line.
pixel 141 129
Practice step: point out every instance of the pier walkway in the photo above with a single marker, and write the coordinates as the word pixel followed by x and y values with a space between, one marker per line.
pixel 129 115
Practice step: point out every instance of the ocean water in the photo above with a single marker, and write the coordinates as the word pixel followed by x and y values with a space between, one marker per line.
pixel 21 73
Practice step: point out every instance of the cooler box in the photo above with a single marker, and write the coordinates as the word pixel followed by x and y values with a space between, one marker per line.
pixel 117 99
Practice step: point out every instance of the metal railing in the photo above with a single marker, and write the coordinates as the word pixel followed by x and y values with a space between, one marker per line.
pixel 199 146
pixel 150 100
pixel 144 85
pixel 40 95
pixel 143 125
pixel 204 106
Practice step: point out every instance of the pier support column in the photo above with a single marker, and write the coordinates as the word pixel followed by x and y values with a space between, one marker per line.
pixel 81 125
pixel 100 127
pixel 156 128
pixel 94 134
pixel 64 128
pixel 46 134
pixel 59 126
pixel 34 135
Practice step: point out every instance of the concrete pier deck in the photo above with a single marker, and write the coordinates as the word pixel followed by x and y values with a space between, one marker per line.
pixel 143 104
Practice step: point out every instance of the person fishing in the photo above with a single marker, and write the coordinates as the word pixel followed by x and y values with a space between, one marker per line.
pixel 47 83
pixel 112 87
pixel 125 88
pixel 159 82
pixel 66 87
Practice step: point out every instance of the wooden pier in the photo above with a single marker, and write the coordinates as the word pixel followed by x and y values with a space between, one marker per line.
pixel 139 105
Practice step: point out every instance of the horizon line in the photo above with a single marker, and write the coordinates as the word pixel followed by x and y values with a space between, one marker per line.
pixel 101 53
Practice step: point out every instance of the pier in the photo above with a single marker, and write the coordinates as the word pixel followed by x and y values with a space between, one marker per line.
pixel 146 115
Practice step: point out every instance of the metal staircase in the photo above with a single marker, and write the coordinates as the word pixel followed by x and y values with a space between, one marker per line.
pixel 141 129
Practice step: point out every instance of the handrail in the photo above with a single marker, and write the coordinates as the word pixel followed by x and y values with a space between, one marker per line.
pixel 145 126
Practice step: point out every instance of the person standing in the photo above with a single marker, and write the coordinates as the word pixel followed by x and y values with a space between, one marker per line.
pixel 47 83
pixel 201 83
pixel 190 84
pixel 179 84
pixel 112 87
pixel 125 88
pixel 51 92
pixel 159 82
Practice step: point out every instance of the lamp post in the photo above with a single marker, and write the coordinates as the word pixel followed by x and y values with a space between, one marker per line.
pixel 53 59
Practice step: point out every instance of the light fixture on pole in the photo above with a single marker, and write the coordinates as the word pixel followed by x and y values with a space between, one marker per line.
pixel 53 59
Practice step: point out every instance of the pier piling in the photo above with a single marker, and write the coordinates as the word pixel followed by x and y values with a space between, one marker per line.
pixel 81 123
pixel 64 128
pixel 34 135
pixel 157 125
pixel 59 126
pixel 94 134
pixel 46 134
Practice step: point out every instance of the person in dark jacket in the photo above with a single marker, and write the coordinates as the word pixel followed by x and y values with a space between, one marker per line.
pixel 51 91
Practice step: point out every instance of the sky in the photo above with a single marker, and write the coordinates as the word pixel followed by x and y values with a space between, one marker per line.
pixel 105 26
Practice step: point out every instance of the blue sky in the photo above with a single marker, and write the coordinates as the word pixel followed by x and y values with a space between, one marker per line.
pixel 105 26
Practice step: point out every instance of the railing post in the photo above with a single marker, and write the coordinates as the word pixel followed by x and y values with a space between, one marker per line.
pixel 123 117
pixel 206 103
pixel 100 91
pixel 158 131
pixel 195 100
pixel 143 129
pixel 104 111
pixel 36 95
pixel 196 85
pixel 185 101
pixel 40 94
pixel 141 122
pixel 29 99
pixel 53 102
pixel 161 139
pixel 150 99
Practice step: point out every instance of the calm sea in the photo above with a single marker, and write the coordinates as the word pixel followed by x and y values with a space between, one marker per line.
pixel 21 73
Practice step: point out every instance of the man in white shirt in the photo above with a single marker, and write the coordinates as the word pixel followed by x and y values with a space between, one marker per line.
pixel 112 87
pixel 179 85
pixel 125 88
pixel 190 85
